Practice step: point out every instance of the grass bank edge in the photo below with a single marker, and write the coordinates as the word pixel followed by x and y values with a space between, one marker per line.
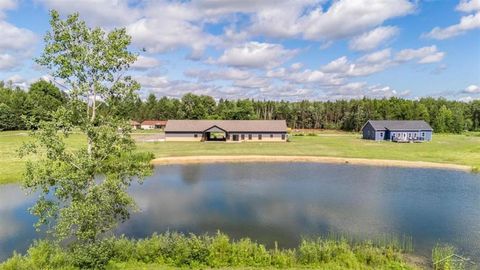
pixel 177 250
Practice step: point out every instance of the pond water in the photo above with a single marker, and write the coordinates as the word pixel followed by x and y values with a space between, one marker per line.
pixel 284 201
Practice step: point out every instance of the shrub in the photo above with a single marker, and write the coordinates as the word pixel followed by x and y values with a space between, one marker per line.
pixel 93 255
pixel 42 255
pixel 206 251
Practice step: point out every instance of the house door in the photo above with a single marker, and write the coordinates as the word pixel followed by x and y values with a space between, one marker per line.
pixel 235 137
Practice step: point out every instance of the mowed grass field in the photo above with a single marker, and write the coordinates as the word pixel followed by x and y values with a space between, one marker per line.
pixel 445 148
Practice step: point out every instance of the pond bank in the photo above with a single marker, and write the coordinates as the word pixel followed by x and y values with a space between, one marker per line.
pixel 314 159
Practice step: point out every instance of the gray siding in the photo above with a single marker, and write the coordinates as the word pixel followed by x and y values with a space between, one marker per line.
pixel 369 133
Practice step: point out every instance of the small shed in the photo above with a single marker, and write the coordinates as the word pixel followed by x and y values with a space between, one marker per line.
pixel 135 124
pixel 397 130
pixel 153 124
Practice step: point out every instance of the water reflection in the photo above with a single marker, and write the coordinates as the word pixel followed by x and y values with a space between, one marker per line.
pixel 281 202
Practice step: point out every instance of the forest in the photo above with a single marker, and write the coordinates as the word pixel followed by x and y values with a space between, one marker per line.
pixel 20 108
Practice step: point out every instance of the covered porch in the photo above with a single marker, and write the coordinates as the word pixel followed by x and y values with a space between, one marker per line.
pixel 215 134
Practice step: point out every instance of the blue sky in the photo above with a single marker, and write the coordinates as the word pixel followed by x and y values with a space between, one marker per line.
pixel 272 49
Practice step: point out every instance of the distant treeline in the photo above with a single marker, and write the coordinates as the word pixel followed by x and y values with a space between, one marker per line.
pixel 350 115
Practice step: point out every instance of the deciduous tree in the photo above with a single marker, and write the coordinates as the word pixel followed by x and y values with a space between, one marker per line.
pixel 83 191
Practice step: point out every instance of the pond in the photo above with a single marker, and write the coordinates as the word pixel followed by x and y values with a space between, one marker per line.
pixel 284 201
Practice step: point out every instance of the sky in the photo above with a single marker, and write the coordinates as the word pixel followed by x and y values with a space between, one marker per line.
pixel 271 49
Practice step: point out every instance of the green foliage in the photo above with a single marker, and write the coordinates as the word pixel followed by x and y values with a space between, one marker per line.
pixel 41 99
pixel 443 258
pixel 83 191
pixel 44 98
pixel 42 255
pixel 172 250
pixel 7 117
pixel 351 115
pixel 443 115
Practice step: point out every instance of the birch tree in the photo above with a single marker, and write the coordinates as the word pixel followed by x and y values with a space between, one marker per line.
pixel 83 187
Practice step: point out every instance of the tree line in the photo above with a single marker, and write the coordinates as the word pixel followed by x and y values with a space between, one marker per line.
pixel 349 115
pixel 443 115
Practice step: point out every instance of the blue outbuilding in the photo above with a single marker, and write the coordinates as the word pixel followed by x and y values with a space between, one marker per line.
pixel 397 130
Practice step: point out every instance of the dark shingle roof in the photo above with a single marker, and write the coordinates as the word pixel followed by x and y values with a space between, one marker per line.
pixel 400 125
pixel 228 125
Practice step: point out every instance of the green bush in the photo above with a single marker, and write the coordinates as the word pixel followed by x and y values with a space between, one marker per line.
pixel 171 250
pixel 42 255
pixel 93 255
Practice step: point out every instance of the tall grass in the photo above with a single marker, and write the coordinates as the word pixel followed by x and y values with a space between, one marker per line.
pixel 444 258
pixel 209 251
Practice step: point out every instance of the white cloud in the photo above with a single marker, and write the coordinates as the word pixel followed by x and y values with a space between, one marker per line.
pixel 145 62
pixel 339 65
pixel 467 23
pixel 355 90
pixel 346 18
pixel 296 66
pixel 17 81
pixel 472 89
pixel 468 5
pixel 253 82
pixel 152 81
pixel 363 66
pixel 6 5
pixel 8 62
pixel 376 57
pixel 281 19
pixel 97 12
pixel 425 55
pixel 224 74
pixel 468 99
pixel 314 77
pixel 238 77
pixel 162 26
pixel 168 26
pixel 16 44
pixel 14 38
pixel 256 55
pixel 374 38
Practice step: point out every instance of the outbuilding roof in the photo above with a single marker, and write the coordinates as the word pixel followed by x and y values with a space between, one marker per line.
pixel 399 125
pixel 154 122
pixel 227 125
pixel 134 123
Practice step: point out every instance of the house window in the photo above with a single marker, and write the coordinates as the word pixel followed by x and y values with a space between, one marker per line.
pixel 283 136
pixel 271 135
pixel 259 136
pixel 243 137
pixel 195 135
pixel 381 134
pixel 423 134
pixel 249 136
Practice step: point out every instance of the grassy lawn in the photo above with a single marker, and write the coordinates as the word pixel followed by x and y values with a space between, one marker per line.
pixel 455 149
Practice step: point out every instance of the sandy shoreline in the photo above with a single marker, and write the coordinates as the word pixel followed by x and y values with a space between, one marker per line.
pixel 315 159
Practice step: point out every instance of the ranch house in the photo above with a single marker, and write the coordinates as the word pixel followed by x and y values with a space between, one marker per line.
pixel 226 130
pixel 397 130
